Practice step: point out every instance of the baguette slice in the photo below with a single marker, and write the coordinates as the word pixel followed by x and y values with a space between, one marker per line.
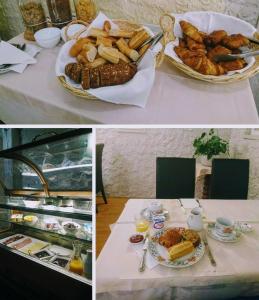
pixel 180 250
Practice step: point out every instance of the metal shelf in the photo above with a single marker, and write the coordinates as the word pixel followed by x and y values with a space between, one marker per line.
pixel 55 234
pixel 76 214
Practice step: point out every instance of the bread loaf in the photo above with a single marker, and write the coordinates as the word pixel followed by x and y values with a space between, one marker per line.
pixel 104 75
pixel 180 250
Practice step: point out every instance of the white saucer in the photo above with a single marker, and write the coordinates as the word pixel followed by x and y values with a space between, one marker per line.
pixel 231 238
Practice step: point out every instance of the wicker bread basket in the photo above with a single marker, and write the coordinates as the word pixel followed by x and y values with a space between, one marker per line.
pixel 219 79
pixel 124 25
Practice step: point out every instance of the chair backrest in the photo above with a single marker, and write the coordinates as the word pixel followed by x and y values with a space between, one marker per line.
pixel 175 178
pixel 229 179
pixel 98 170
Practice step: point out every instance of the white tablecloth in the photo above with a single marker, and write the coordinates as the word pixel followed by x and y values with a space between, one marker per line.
pixel 37 97
pixel 236 273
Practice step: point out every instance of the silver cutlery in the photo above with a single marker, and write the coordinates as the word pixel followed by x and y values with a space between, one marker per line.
pixel 207 247
pixel 182 207
pixel 253 40
pixel 142 265
pixel 232 57
pixel 151 44
pixel 198 201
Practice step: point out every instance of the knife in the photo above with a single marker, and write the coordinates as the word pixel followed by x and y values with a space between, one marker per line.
pixel 142 265
pixel 207 247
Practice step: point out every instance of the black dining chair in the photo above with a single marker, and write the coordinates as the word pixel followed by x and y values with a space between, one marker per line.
pixel 229 179
pixel 99 171
pixel 175 177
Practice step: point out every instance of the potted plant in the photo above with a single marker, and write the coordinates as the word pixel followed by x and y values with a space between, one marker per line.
pixel 209 145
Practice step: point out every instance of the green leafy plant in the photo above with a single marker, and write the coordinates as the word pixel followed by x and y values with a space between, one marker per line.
pixel 209 145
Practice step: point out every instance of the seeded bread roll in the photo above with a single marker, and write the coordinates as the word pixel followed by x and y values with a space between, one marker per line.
pixel 85 82
pixel 116 74
pixel 75 72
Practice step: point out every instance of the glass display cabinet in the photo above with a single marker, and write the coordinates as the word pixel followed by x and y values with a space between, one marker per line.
pixel 46 216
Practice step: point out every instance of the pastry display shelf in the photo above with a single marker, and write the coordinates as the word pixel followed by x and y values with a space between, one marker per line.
pixel 54 233
pixel 78 214
pixel 43 263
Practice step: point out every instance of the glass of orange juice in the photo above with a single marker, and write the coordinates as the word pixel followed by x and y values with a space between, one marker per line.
pixel 142 225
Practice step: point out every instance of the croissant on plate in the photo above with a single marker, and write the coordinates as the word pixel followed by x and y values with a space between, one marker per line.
pixel 191 31
pixel 170 238
pixel 105 75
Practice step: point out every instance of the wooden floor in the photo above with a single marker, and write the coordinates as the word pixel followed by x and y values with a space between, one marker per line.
pixel 107 215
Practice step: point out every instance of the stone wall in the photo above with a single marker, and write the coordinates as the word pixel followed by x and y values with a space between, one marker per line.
pixel 129 158
pixel 147 11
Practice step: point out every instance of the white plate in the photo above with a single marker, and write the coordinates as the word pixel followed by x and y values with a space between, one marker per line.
pixel 232 238
pixel 208 22
pixel 160 254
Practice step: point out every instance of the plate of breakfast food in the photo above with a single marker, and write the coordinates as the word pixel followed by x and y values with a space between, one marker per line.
pixel 201 37
pixel 176 247
pixel 104 62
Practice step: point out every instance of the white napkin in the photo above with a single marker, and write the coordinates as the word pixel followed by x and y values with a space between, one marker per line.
pixel 134 92
pixel 208 22
pixel 20 59
pixel 189 203
pixel 150 261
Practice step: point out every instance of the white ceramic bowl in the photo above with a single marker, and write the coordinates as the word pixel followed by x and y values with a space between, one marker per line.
pixel 48 37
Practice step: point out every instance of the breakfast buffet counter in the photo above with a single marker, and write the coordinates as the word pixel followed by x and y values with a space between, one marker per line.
pixel 235 275
pixel 37 97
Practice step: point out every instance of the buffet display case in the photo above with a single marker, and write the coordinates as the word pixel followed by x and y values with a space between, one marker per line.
pixel 46 216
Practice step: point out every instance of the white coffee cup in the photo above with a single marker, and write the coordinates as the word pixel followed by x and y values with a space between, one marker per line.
pixel 224 226
pixel 156 207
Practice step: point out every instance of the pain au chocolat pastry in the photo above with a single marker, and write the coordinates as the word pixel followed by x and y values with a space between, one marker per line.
pixel 170 238
pixel 105 75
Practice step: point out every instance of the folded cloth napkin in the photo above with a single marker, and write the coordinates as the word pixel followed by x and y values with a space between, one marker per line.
pixel 150 261
pixel 19 59
pixel 189 203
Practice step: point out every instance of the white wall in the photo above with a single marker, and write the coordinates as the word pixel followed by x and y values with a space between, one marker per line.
pixel 129 158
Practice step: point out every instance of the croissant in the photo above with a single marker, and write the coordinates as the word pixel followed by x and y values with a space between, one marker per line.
pixel 219 50
pixel 215 38
pixel 235 41
pixel 233 65
pixel 193 45
pixel 184 53
pixel 105 75
pixel 191 31
pixel 204 66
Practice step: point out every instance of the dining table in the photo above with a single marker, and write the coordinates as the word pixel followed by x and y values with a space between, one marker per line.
pixel 37 97
pixel 235 275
